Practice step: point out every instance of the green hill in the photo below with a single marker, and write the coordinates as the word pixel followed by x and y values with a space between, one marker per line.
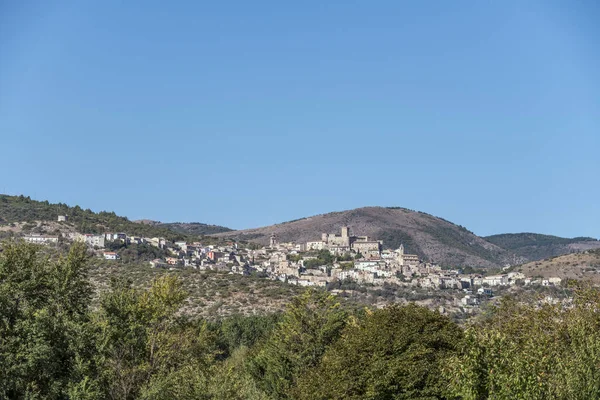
pixel 188 228
pixel 535 246
pixel 15 209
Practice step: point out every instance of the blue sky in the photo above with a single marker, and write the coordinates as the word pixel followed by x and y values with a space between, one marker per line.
pixel 244 114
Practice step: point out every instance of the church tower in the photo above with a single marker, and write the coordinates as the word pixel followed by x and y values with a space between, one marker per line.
pixel 400 254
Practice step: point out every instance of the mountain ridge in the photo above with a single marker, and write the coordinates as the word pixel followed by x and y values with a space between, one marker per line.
pixel 190 228
pixel 432 238
pixel 536 246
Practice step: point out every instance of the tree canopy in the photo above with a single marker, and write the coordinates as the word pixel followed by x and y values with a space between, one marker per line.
pixel 135 343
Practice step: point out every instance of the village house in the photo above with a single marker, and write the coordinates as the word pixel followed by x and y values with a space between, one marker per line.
pixel 172 260
pixel 90 239
pixel 110 255
pixel 356 275
pixel 158 263
pixel 214 255
pixel 40 239
pixel 495 280
pixel 115 236
pixel 317 245
pixel 161 243
pixel 411 259
pixel 554 280
pixel 470 300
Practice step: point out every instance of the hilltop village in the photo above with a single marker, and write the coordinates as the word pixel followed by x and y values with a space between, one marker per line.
pixel 333 258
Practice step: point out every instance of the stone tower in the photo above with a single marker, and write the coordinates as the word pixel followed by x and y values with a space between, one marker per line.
pixel 273 241
pixel 345 232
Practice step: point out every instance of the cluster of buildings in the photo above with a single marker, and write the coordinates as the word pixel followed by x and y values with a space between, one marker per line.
pixel 357 258
pixel 345 243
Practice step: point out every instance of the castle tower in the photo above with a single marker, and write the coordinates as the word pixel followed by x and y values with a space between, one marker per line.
pixel 345 232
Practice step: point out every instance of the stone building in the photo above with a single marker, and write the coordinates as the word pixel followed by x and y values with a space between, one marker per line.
pixel 369 249
pixel 345 243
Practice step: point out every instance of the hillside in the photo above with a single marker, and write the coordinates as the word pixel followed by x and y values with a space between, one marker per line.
pixel 188 228
pixel 16 210
pixel 581 266
pixel 533 246
pixel 432 238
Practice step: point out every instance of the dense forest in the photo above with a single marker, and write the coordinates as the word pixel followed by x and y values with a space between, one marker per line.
pixel 136 345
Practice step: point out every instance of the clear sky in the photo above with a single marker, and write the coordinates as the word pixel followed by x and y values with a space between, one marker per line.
pixel 248 113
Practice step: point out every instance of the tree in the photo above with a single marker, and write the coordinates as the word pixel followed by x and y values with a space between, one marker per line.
pixel 245 331
pixel 43 306
pixel 393 353
pixel 143 349
pixel 311 323
pixel 533 352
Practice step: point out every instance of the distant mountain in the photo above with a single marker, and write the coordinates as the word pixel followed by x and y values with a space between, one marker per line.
pixel 533 246
pixel 188 228
pixel 432 238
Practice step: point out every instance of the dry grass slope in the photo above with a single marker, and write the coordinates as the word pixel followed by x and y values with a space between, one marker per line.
pixel 580 266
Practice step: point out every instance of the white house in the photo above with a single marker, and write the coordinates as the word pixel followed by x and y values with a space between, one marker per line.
pixel 469 300
pixel 91 239
pixel 314 245
pixel 110 255
pixel 555 280
pixel 40 239
pixel 495 280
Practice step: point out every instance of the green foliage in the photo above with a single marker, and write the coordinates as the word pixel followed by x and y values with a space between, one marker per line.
pixel 393 353
pixel 42 306
pixel 311 323
pixel 471 270
pixel 135 253
pixel 347 265
pixel 23 209
pixel 134 343
pixel 193 228
pixel 523 351
pixel 232 379
pixel 294 257
pixel 393 238
pixel 324 257
pixel 345 257
pixel 238 331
